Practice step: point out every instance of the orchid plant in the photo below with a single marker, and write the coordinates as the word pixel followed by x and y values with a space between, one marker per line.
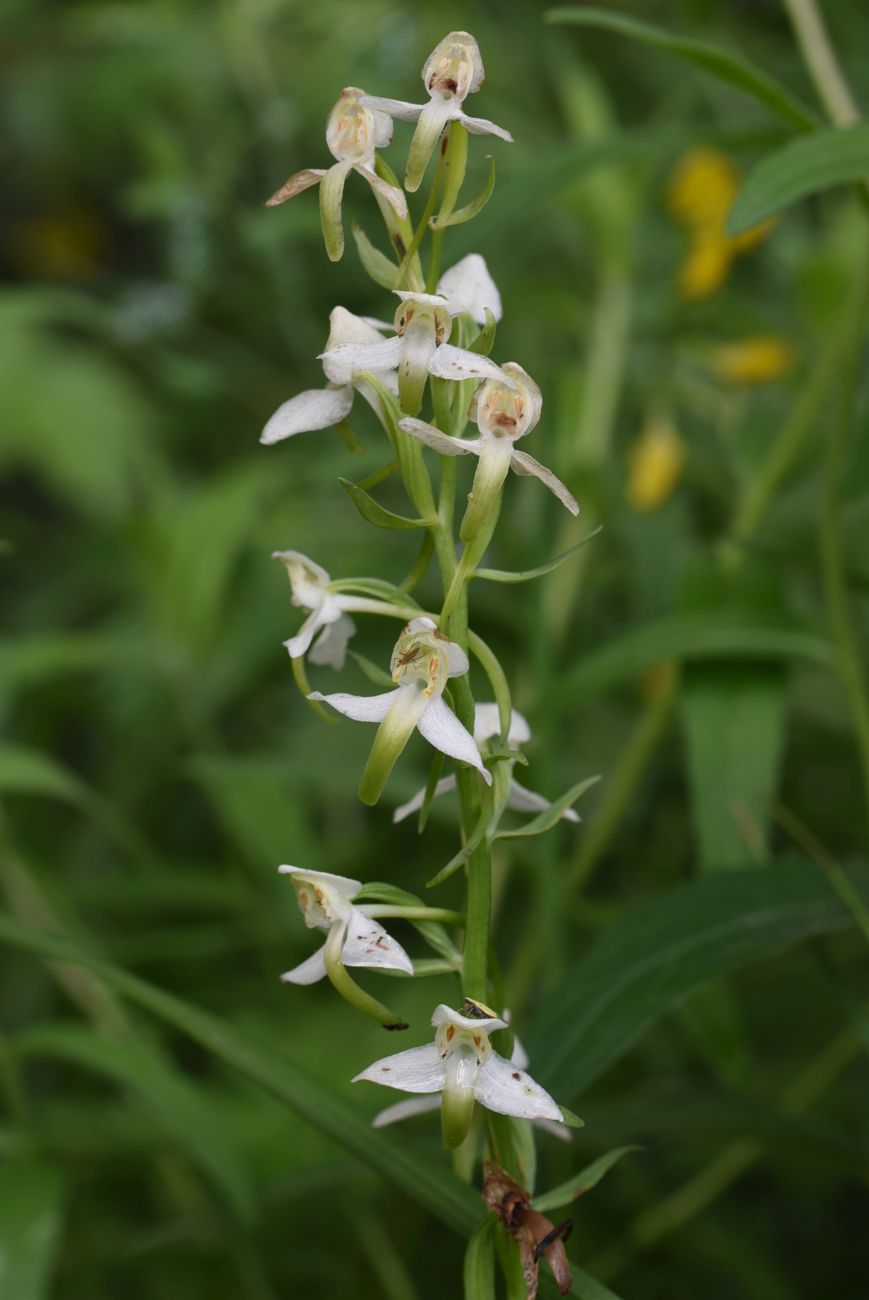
pixel 440 345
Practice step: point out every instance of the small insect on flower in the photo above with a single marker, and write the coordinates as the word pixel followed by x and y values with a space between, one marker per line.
pixel 478 1010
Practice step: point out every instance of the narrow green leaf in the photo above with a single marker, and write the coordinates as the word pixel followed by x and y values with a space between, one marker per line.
pixel 181 1108
pixel 482 345
pixel 414 1173
pixel 734 718
pixel 470 210
pixel 712 634
pixel 526 575
pixel 834 156
pixel 379 267
pixel 656 953
pixel 380 475
pixel 479 1269
pixel 30 1208
pixel 546 820
pixel 27 771
pixel 732 68
pixel 580 1183
pixel 446 1197
pixel 374 513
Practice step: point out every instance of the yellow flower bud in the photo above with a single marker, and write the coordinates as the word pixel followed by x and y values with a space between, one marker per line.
pixel 706 265
pixel 701 189
pixel 753 361
pixel 655 464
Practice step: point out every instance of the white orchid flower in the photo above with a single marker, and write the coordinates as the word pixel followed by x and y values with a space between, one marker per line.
pixel 402 1110
pixel 452 71
pixel 422 662
pixel 487 725
pixel 505 408
pixel 418 348
pixel 469 285
pixel 462 1065
pixel 320 408
pixel 311 590
pixel 355 939
pixel 354 130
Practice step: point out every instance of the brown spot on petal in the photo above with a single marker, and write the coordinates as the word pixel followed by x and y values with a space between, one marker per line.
pixel 516 1074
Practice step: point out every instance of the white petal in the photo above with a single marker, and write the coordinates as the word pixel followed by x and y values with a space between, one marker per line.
pixel 382 129
pixel 432 121
pixel 394 197
pixel 427 299
pixel 298 644
pixel 522 800
pixel 487 723
pixel 421 624
pixel 469 283
pixel 441 728
pixel 309 971
pixel 343 886
pixel 361 708
pixel 385 354
pixel 444 1015
pixel 444 785
pixel 457 660
pixel 368 944
pixel 450 362
pixel 405 1110
pixel 345 327
pixel 420 1069
pixel 519 1057
pixel 482 126
pixel 317 408
pixel 398 108
pixel 440 442
pixel 502 1087
pixel 295 561
pixel 331 645
pixel 522 463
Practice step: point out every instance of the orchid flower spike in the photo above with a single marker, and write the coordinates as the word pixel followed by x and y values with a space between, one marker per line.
pixel 354 938
pixel 486 727
pixel 452 71
pixel 320 408
pixel 418 348
pixel 462 1065
pixel 422 662
pixel 353 131
pixel 505 408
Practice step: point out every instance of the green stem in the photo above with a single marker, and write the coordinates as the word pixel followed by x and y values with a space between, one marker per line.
pixel 821 62
pixel 445 914
pixel 349 989
pixel 849 662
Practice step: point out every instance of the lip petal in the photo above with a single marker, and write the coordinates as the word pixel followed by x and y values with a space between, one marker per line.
pixel 316 408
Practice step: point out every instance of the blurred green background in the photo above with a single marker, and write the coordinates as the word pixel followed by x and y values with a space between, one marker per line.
pixel 157 762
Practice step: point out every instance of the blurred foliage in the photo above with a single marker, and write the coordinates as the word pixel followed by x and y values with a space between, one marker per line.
pixel 157 763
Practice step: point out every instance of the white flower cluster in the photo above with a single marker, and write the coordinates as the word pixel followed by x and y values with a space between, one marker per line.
pixel 433 337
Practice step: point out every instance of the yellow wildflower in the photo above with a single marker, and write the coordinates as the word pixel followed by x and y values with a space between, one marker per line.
pixel 753 361
pixel 700 194
pixel 655 464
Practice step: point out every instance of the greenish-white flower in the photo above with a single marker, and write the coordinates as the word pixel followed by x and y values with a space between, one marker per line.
pixel 422 662
pixel 452 71
pixel 506 408
pixel 320 408
pixel 354 938
pixel 419 346
pixel 354 131
pixel 464 1068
